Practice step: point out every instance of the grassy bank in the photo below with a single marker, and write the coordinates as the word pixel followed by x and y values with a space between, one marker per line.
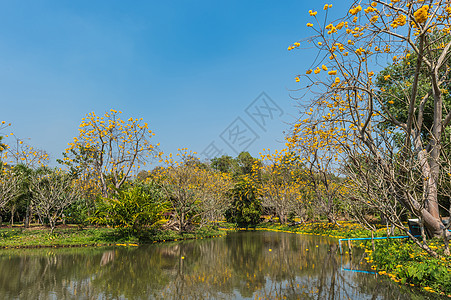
pixel 399 260
pixel 72 236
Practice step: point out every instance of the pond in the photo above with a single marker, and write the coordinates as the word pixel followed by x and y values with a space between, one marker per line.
pixel 242 265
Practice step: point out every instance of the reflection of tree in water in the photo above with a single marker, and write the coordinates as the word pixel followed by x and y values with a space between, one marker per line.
pixel 239 265
pixel 35 274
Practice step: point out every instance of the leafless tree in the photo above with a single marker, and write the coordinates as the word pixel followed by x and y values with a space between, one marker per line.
pixel 53 191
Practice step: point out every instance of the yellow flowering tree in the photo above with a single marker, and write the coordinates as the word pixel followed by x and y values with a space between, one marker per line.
pixel 280 183
pixel 351 107
pixel 18 152
pixel 3 125
pixel 319 153
pixel 108 148
pixel 197 193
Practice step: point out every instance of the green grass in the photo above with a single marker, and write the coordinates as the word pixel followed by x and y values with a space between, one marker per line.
pixel 344 229
pixel 70 236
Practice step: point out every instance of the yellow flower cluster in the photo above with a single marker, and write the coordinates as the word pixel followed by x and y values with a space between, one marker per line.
pixel 421 15
pixel 369 9
pixel 295 45
pixel 401 20
pixel 360 51
pixel 355 10
pixel 331 29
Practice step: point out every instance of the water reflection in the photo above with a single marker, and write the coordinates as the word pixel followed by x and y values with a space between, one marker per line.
pixel 242 265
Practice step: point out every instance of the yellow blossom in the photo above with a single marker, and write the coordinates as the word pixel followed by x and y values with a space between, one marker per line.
pixel 312 13
pixel 399 21
pixel 421 15
pixel 355 10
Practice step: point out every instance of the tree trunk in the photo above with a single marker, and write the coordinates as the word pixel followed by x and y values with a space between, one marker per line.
pixel 429 168
pixel 182 222
pixel 435 143
pixel 13 210
pixel 282 218
pixel 27 216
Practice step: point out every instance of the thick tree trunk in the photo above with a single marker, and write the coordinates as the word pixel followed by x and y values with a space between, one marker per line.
pixel 435 145
pixel 282 218
pixel 430 170
pixel 433 224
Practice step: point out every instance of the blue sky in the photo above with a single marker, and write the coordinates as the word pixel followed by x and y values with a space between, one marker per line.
pixel 189 68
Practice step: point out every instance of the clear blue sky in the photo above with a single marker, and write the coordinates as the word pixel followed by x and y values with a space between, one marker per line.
pixel 189 68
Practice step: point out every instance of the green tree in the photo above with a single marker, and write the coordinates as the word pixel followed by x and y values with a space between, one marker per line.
pixel 245 163
pixel 23 200
pixel 246 207
pixel 225 164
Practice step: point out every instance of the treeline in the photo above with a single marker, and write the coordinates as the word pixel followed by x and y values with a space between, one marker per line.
pixel 183 194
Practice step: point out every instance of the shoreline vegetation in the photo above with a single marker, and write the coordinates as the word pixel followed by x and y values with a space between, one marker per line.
pixel 74 236
pixel 397 260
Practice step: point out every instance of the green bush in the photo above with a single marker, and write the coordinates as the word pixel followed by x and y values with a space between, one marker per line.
pixel 132 209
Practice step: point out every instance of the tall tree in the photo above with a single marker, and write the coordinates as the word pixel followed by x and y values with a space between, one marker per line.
pixel 280 183
pixel 197 193
pixel 109 148
pixel 351 106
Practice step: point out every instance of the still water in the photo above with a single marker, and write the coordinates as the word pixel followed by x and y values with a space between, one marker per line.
pixel 242 265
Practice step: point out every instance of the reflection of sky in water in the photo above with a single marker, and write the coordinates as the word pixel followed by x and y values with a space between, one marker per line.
pixel 243 265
